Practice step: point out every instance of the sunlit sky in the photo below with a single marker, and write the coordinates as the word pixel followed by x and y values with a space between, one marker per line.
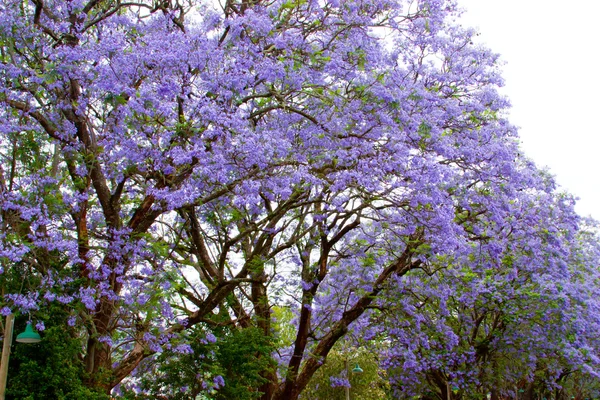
pixel 552 54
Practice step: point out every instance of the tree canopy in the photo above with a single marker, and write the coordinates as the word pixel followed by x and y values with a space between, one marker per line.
pixel 175 172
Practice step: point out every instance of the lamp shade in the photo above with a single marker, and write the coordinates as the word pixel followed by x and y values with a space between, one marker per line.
pixel 29 335
pixel 357 369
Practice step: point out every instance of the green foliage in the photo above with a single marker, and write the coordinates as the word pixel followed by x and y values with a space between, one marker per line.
pixel 243 356
pixel 285 331
pixel 52 369
pixel 368 385
pixel 240 357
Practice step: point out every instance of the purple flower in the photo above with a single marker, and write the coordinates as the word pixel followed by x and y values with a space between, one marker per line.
pixel 218 382
pixel 339 382
pixel 210 337
pixel 183 349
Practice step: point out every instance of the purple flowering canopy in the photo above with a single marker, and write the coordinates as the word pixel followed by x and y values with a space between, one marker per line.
pixel 167 162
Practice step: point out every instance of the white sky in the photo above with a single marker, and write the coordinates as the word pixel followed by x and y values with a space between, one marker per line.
pixel 552 53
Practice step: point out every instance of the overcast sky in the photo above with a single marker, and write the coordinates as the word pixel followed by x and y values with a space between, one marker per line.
pixel 551 50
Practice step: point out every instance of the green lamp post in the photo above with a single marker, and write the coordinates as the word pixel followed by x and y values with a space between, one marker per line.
pixel 28 336
pixel 357 369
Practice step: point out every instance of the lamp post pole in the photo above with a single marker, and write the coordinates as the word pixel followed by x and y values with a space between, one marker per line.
pixel 347 377
pixel 8 332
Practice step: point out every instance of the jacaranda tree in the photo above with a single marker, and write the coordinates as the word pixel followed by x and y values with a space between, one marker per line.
pixel 490 323
pixel 172 167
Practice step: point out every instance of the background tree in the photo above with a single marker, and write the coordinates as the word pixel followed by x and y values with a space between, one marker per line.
pixel 489 324
pixel 331 380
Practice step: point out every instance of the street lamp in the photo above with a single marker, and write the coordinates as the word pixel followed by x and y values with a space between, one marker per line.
pixel 356 370
pixel 28 336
